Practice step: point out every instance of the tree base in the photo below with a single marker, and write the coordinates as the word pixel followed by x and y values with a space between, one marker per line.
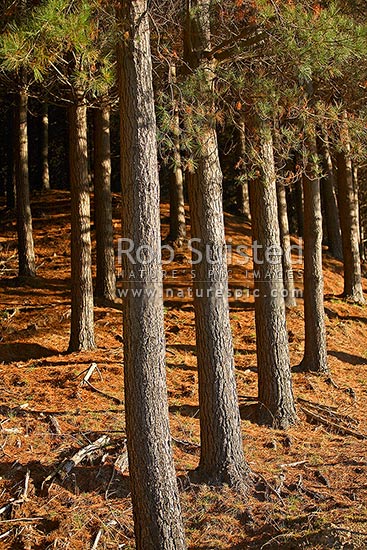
pixel 236 478
pixel 313 365
pixel 280 421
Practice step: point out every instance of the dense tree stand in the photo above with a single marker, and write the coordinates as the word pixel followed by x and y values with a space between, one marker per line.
pixel 154 492
pixel 82 317
pixel 276 402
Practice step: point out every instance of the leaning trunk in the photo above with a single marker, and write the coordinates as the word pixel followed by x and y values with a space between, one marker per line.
pixel 221 458
pixel 105 279
pixel 82 328
pixel 27 265
pixel 276 401
pixel 315 353
pixel 156 507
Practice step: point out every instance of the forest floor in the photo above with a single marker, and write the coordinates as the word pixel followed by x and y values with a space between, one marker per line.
pixel 310 483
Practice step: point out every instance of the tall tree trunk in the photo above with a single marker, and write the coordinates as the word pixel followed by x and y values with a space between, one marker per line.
pixel 82 317
pixel 27 266
pixel 243 198
pixel 315 353
pixel 222 458
pixel 298 192
pixel 330 200
pixel 358 213
pixel 12 147
pixel 177 233
pixel 156 506
pixel 349 226
pixel 44 148
pixel 288 278
pixel 106 279
pixel 276 400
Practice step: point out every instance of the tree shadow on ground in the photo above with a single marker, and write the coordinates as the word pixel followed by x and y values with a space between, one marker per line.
pixel 20 351
pixel 349 358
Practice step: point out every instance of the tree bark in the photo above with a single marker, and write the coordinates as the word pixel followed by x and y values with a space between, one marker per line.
pixel 349 226
pixel 177 233
pixel 222 458
pixel 330 201
pixel 27 265
pixel 288 279
pixel 315 353
pixel 44 149
pixel 105 279
pixel 276 400
pixel 156 506
pixel 82 317
pixel 243 198
pixel 11 148
pixel 298 192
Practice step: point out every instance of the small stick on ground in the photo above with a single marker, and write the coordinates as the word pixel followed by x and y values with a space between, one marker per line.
pixel 66 466
pixel 268 486
pixel 55 426
pixel 107 395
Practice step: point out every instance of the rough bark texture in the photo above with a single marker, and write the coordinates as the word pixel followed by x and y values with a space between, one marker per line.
pixel 298 193
pixel 274 373
pixel 105 279
pixel 330 201
pixel 288 279
pixel 177 233
pixel 11 148
pixel 156 507
pixel 82 318
pixel 222 458
pixel 348 207
pixel 243 198
pixel 27 266
pixel 315 353
pixel 44 149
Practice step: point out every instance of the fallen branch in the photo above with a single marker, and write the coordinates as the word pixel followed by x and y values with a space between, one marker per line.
pixel 293 464
pixel 317 405
pixel 107 395
pixel 328 423
pixel 89 373
pixel 67 465
pixel 6 534
pixel 331 411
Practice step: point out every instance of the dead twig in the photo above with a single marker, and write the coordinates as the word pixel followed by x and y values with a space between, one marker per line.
pixel 55 426
pixel 66 466
pixel 107 395
pixel 330 424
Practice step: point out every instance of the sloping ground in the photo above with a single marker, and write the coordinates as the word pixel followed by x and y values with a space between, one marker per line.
pixel 310 484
